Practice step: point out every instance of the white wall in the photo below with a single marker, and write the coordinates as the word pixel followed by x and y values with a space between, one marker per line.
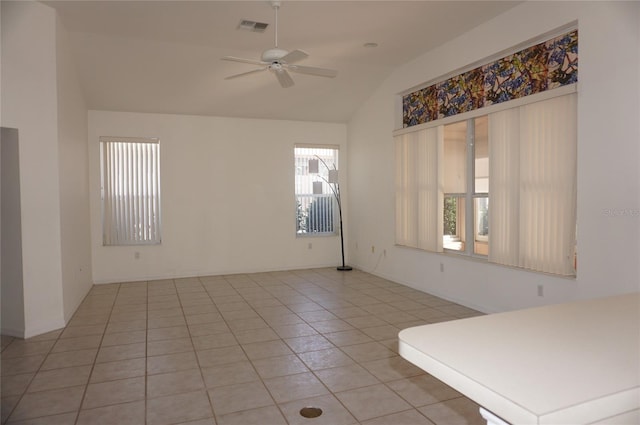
pixel 11 289
pixel 608 152
pixel 42 99
pixel 73 156
pixel 227 196
pixel 29 103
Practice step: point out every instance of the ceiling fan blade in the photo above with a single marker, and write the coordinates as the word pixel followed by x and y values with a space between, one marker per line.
pixel 243 60
pixel 311 70
pixel 284 78
pixel 294 56
pixel 254 71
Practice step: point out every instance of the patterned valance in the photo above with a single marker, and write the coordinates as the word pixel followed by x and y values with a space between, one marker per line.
pixel 542 67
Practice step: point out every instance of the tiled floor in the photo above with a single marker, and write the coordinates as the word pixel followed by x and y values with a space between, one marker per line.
pixel 239 349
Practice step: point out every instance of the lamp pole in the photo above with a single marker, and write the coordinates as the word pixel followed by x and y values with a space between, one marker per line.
pixel 335 188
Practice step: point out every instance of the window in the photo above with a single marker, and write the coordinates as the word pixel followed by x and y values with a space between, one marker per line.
pixel 315 200
pixel 520 160
pixel 466 182
pixel 130 169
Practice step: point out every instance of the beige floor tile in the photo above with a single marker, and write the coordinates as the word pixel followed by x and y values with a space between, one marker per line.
pixel 124 338
pixel 121 352
pixel 295 387
pixel 196 310
pixel 169 346
pixel 46 336
pixel 165 312
pixel 171 362
pixel 61 419
pixel 45 403
pixel 120 369
pixel 279 366
pixel 174 383
pixel 261 350
pixel 368 351
pixel 15 384
pixel 263 415
pixel 348 312
pixel 23 348
pixel 166 322
pixel 79 343
pixel 294 331
pixel 459 411
pixel 220 356
pixel 408 417
pixel 220 340
pixel 247 324
pixel 308 343
pixel 329 326
pixel 8 403
pixel 207 421
pixel 132 325
pixel 114 392
pixel 174 332
pixel 21 365
pixel 239 397
pixel 324 359
pixel 69 359
pixel 178 408
pixel 350 337
pixel 317 316
pixel 423 390
pixel 77 331
pixel 367 321
pixel 208 317
pixel 371 402
pixel 202 329
pixel 60 378
pixel 229 374
pixel 286 319
pixel 346 377
pixel 382 332
pixel 128 316
pixel 392 368
pixel 333 412
pixel 255 335
pixel 120 414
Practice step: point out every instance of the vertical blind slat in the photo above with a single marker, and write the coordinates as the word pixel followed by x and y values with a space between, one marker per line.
pixel 131 192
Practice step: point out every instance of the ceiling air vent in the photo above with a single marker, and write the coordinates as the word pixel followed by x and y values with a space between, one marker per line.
pixel 254 26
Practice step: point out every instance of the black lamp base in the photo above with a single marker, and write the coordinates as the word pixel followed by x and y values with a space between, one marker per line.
pixel 344 268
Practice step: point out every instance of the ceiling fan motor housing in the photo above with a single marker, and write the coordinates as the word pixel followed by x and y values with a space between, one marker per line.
pixel 273 55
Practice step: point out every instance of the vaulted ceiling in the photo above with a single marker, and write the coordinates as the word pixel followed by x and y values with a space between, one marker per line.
pixel 164 56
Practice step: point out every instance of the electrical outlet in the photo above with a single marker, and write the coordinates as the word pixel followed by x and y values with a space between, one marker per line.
pixel 540 290
pixel 136 255
pixel 373 249
pixel 310 245
pixel 384 253
pixel 442 267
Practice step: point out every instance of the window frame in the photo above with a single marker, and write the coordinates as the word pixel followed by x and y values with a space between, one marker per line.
pixel 327 192
pixel 130 211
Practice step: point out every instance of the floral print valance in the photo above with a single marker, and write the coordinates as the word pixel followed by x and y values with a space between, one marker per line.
pixel 542 67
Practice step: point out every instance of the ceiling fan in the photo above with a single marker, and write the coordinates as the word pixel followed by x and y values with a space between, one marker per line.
pixel 280 61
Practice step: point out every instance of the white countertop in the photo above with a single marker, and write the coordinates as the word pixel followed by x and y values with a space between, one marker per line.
pixel 575 363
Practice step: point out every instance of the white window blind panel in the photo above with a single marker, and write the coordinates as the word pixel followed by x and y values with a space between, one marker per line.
pixel 533 185
pixel 504 186
pixel 130 191
pixel 418 189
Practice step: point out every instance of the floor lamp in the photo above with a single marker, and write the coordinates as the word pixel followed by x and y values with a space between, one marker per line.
pixel 332 181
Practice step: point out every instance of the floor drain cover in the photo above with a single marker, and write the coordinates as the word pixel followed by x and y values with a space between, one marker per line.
pixel 310 412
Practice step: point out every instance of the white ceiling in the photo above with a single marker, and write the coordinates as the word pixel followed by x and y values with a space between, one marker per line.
pixel 164 56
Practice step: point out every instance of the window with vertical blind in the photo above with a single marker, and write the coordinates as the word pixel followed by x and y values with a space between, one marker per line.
pixel 130 185
pixel 315 203
pixel 500 186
